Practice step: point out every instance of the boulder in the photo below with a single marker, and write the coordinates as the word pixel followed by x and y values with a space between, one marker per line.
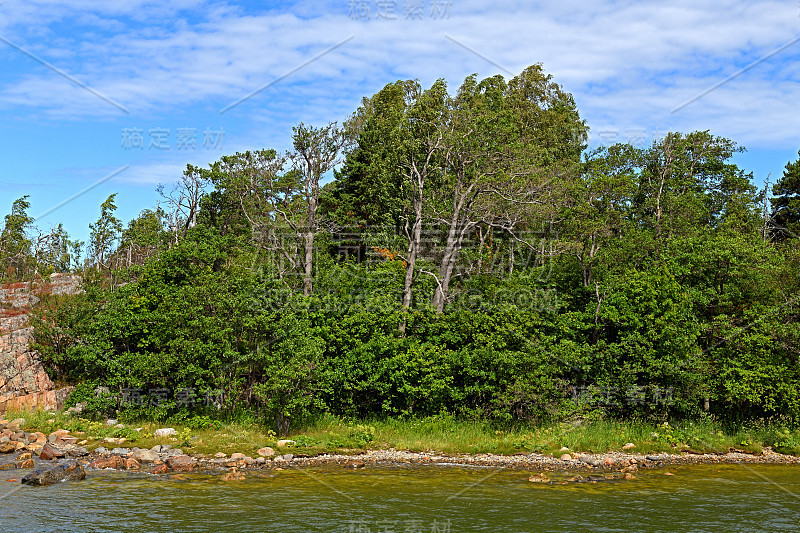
pixel 71 471
pixel 132 464
pixel 160 469
pixel 629 446
pixel 181 463
pixel 16 424
pixel 50 452
pixel 165 432
pixel 27 463
pixel 120 451
pixel 590 460
pixel 566 457
pixel 266 451
pixel 285 442
pixel 77 451
pixel 6 447
pixel 144 456
pixel 102 463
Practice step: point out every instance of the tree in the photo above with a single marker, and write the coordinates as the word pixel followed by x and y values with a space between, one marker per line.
pixel 508 148
pixel 54 251
pixel 786 204
pixel 15 245
pixel 315 152
pixel 104 233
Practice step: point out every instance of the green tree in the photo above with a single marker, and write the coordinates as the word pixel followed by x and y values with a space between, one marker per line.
pixel 15 244
pixel 104 234
pixel 786 203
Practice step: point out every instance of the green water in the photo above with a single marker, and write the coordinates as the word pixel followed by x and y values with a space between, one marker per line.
pixel 420 499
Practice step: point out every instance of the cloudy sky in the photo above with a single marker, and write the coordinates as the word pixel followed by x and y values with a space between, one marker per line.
pixel 98 97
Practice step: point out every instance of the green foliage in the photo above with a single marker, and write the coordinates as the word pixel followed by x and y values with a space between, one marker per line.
pixel 268 300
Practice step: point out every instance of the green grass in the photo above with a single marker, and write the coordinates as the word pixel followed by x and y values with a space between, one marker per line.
pixel 441 434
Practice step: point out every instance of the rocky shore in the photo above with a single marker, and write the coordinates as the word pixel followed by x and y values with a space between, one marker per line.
pixel 62 454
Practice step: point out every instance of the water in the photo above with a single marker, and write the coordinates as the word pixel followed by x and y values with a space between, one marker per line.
pixel 729 498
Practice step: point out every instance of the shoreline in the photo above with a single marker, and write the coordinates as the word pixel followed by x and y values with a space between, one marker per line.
pixel 612 467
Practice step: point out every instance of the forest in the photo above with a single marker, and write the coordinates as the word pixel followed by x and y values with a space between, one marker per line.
pixel 440 251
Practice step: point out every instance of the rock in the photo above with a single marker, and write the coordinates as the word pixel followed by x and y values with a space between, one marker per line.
pixel 628 476
pixel 220 455
pixel 266 451
pixel 261 460
pixel 77 409
pixel 27 463
pixel 49 453
pixel 358 464
pixel 668 474
pixel 591 460
pixel 119 426
pixel 160 469
pixel 539 478
pixel 56 435
pixel 78 451
pixel 161 448
pixel 285 442
pixel 16 424
pixel 144 456
pixel 653 458
pixel 111 422
pixel 576 479
pixel 6 447
pixel 101 450
pixel 24 456
pixel 181 463
pixel 564 449
pixel 165 432
pixel 566 457
pixel 632 469
pixel 113 440
pixel 233 475
pixel 71 471
pixel 174 452
pixel 132 464
pixel 102 463
pixel 120 451
pixel 238 457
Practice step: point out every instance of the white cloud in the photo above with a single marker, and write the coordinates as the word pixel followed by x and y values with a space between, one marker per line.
pixel 627 63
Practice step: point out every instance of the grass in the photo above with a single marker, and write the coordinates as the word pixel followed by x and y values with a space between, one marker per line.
pixel 441 434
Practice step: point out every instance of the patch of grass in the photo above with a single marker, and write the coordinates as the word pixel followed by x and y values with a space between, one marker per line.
pixel 443 434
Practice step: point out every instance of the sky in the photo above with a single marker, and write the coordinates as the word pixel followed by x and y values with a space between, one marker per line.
pixel 117 96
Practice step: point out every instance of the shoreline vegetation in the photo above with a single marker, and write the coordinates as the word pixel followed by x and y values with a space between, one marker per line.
pixel 331 440
pixel 448 270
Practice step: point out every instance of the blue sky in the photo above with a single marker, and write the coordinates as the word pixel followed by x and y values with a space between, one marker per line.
pixel 137 88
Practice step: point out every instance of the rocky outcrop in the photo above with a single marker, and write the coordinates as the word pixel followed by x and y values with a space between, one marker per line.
pixel 71 471
pixel 24 383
